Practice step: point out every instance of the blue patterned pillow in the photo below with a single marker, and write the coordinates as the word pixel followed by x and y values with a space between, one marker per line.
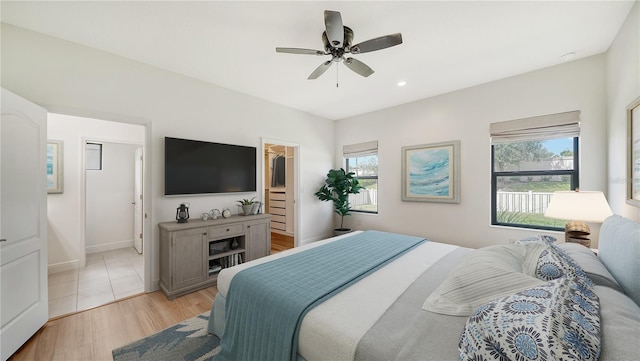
pixel 556 263
pixel 553 321
pixel 538 238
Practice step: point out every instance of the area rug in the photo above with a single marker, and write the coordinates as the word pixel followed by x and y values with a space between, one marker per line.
pixel 187 340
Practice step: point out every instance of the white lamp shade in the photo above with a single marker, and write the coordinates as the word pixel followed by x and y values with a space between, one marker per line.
pixel 586 206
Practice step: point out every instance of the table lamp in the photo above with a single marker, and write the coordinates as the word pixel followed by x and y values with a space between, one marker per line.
pixel 578 207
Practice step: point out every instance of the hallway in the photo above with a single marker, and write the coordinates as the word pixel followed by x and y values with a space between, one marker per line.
pixel 108 276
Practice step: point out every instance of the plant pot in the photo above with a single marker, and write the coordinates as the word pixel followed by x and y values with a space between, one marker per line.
pixel 246 209
pixel 255 207
pixel 341 231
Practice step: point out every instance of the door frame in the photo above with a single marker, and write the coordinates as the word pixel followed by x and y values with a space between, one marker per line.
pixel 83 190
pixel 147 206
pixel 138 211
pixel 296 180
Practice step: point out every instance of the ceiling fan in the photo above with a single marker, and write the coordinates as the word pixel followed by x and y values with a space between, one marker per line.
pixel 337 40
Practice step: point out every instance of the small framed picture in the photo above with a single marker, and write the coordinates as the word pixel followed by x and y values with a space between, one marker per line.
pixel 430 172
pixel 55 169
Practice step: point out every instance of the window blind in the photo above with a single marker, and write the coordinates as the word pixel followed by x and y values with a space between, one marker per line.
pixel 360 149
pixel 552 126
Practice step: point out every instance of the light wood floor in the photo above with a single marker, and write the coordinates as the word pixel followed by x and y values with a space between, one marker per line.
pixel 280 242
pixel 91 335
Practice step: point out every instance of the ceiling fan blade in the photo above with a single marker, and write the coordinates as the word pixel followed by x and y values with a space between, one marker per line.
pixel 358 67
pixel 377 43
pixel 300 51
pixel 334 27
pixel 320 70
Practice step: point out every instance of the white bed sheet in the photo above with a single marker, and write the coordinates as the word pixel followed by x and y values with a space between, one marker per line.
pixel 331 330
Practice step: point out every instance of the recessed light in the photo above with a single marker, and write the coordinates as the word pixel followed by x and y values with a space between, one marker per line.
pixel 402 83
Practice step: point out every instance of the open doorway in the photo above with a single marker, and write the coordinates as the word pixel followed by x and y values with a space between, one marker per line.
pixel 114 264
pixel 280 190
pixel 93 259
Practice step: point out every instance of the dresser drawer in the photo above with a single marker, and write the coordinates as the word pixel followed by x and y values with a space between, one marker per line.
pixel 225 231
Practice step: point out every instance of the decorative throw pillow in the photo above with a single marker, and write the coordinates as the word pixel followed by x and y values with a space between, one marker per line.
pixel 553 321
pixel 483 275
pixel 591 265
pixel 537 238
pixel 572 268
pixel 549 267
pixel 555 263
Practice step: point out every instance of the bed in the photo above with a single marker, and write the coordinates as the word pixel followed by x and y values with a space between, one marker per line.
pixel 411 307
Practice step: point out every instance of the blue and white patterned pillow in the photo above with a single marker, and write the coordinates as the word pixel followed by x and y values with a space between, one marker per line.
pixel 555 263
pixel 549 267
pixel 538 238
pixel 553 321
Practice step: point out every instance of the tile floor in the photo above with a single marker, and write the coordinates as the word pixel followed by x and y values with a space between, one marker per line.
pixel 108 276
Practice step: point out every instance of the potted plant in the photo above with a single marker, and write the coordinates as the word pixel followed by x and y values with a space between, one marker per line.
pixel 337 187
pixel 247 205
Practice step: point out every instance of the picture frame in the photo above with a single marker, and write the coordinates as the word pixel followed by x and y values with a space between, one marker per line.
pixel 633 153
pixel 55 166
pixel 431 172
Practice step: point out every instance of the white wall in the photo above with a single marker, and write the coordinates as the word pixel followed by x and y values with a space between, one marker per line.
pixel 65 77
pixel 623 86
pixel 465 115
pixel 109 198
pixel 66 232
pixel 68 78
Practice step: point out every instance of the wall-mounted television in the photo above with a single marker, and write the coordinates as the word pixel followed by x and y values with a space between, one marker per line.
pixel 197 167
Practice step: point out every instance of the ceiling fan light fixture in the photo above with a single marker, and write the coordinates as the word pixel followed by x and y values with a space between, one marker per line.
pixel 337 40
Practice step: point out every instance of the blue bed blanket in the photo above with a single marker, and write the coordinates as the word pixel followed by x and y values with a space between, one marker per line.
pixel 266 303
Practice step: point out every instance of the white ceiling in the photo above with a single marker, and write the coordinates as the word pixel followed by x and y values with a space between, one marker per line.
pixel 448 45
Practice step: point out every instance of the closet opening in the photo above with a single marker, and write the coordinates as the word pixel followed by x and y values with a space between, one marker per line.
pixel 279 191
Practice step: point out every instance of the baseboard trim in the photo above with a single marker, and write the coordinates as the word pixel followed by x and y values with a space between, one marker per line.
pixel 282 232
pixel 109 246
pixel 63 266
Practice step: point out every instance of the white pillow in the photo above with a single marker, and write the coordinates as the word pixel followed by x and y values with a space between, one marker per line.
pixel 485 274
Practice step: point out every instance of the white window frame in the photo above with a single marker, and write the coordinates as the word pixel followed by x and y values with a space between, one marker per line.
pixel 362 150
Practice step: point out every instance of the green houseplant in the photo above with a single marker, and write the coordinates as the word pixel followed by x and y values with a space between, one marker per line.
pixel 247 205
pixel 336 188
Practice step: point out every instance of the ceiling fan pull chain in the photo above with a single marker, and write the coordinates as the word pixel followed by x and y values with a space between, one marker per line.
pixel 337 66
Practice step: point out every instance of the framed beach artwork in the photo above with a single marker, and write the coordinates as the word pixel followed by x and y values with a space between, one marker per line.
pixel 633 153
pixel 55 166
pixel 430 172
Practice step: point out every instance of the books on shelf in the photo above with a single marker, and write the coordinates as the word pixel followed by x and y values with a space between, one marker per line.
pixel 214 269
pixel 216 265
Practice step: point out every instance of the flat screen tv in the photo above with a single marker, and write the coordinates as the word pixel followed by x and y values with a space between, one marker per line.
pixel 197 167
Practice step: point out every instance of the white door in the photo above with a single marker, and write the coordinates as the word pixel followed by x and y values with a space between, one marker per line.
pixel 23 221
pixel 137 212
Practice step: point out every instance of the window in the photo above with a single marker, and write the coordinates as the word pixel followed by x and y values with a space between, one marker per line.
pixel 94 156
pixel 362 159
pixel 530 159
